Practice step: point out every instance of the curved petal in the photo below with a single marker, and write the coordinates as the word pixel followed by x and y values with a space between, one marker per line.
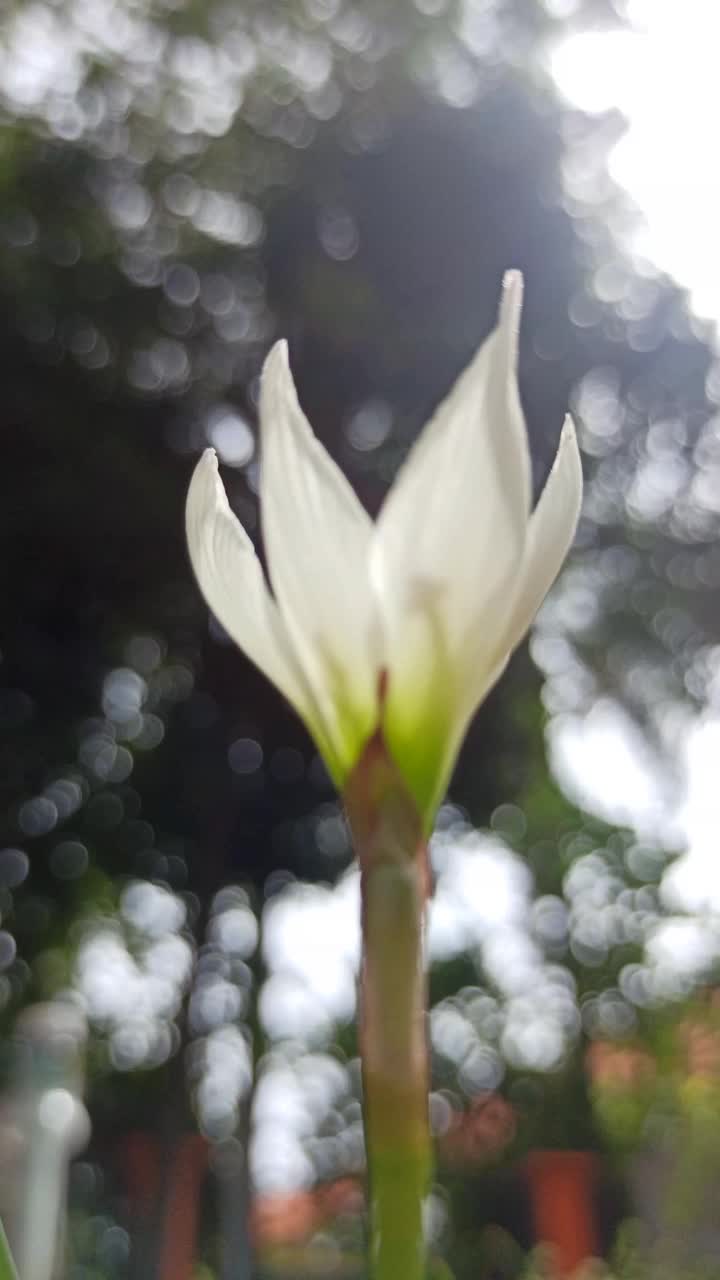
pixel 448 547
pixel 467 476
pixel 231 579
pixel 317 537
pixel 550 532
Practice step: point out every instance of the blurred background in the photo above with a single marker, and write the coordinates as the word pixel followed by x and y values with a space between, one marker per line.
pixel 182 181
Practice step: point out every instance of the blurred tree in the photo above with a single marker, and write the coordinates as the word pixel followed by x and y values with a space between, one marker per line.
pixel 180 184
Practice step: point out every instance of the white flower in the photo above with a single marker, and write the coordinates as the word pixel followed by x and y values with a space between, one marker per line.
pixel 402 625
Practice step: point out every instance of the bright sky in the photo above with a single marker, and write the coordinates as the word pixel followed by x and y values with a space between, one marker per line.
pixel 662 75
pixel 604 763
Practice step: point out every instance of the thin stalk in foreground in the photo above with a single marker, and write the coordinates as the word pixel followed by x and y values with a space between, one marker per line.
pixel 7 1266
pixel 387 832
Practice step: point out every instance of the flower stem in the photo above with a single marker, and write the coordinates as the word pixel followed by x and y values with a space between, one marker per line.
pixel 387 832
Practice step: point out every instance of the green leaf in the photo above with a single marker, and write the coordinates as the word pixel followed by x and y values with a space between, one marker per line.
pixel 7 1266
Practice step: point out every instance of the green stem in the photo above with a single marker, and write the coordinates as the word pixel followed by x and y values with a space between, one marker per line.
pixel 393 1041
pixel 395 1070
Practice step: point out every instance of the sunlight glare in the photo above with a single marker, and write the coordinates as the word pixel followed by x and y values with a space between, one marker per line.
pixel 662 76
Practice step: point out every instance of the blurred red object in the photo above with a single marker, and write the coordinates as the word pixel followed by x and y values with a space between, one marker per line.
pixel 164 1192
pixel 180 1223
pixel 292 1218
pixel 562 1192
pixel 481 1132
pixel 142 1164
pixel 619 1066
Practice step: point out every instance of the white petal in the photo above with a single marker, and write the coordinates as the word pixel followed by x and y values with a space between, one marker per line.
pixel 550 533
pixel 232 581
pixel 449 543
pixel 317 537
pixel 468 475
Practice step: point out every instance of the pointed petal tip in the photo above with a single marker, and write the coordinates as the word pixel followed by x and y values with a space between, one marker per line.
pixel 564 486
pixel 277 358
pixel 569 450
pixel 208 459
pixel 206 493
pixel 568 426
pixel 206 470
pixel 565 480
pixel 276 383
pixel 512 298
pixel 513 278
pixel 508 327
pixel 551 532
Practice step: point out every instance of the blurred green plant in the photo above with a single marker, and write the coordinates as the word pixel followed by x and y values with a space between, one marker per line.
pixel 7 1266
